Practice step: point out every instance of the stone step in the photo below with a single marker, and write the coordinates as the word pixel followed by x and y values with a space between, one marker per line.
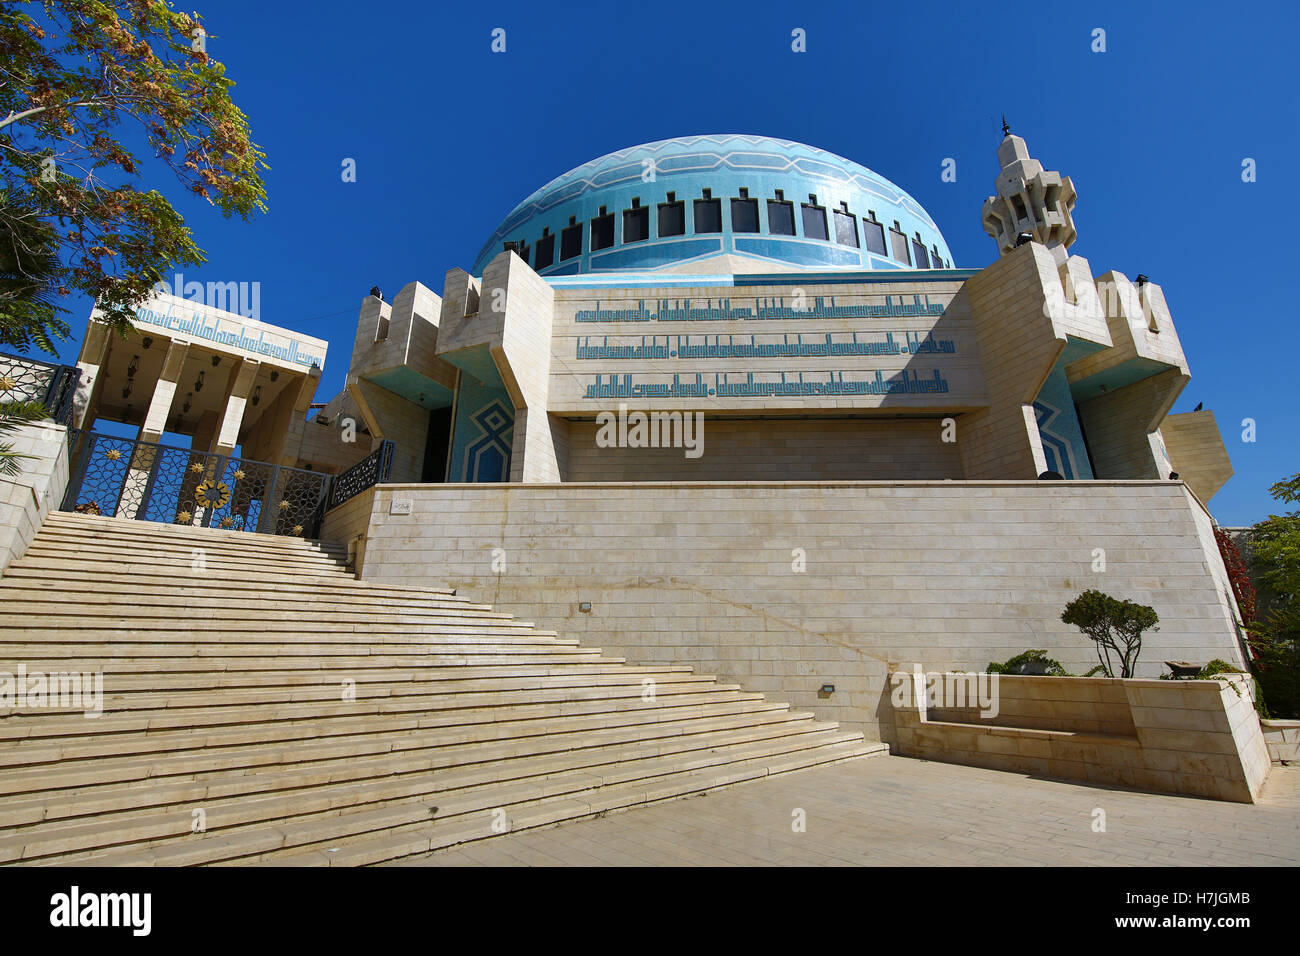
pixel 60 613
pixel 73 628
pixel 315 815
pixel 139 646
pixel 49 750
pixel 113 527
pixel 535 713
pixel 141 787
pixel 398 842
pixel 70 577
pixel 182 595
pixel 175 544
pixel 118 686
pixel 52 756
pixel 127 558
pixel 330 666
pixel 305 711
pixel 432 693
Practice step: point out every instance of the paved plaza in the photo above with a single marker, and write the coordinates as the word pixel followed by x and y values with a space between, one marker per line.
pixel 897 811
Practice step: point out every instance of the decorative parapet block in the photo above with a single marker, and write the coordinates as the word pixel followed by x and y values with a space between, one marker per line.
pixel 1200 738
pixel 1282 737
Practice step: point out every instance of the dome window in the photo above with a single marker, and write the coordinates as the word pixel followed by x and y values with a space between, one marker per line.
pixel 672 217
pixel 874 234
pixel 744 213
pixel 846 226
pixel 636 222
pixel 571 239
pixel 898 244
pixel 602 230
pixel 780 215
pixel 814 219
pixel 919 254
pixel 545 254
pixel 519 248
pixel 708 213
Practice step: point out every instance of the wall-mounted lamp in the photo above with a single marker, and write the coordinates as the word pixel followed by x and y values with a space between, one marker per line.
pixel 216 360
pixel 826 690
pixel 585 607
pixel 274 374
pixel 257 394
pixel 188 402
pixel 146 341
pixel 133 367
pixel 198 383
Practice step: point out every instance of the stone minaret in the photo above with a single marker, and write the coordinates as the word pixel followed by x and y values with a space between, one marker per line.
pixel 1029 200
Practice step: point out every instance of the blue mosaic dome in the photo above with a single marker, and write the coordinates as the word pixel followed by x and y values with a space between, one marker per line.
pixel 748 203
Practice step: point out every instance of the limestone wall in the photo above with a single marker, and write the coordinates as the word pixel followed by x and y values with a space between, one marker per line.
pixel 26 499
pixel 1195 737
pixel 796 449
pixel 944 574
pixel 1283 740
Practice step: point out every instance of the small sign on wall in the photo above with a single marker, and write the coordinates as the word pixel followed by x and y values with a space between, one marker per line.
pixel 400 506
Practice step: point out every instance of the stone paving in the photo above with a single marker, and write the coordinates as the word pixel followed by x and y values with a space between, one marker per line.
pixel 897 811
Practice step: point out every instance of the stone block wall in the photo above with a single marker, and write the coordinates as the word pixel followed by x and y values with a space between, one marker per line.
pixel 797 449
pixel 786 586
pixel 26 499
pixel 1201 738
pixel 1283 740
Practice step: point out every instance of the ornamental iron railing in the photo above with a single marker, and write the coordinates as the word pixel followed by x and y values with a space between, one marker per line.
pixel 123 478
pixel 28 379
pixel 372 470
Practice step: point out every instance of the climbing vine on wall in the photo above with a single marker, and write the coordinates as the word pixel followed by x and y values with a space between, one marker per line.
pixel 1238 576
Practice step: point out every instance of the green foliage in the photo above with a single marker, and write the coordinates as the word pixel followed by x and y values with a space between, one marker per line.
pixel 1031 662
pixel 1217 666
pixel 1114 626
pixel 12 415
pixel 68 184
pixel 1275 640
pixel 29 267
pixel 1275 546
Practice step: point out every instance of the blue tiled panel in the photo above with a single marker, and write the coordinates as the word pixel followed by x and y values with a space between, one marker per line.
pixel 484 430
pixel 1058 427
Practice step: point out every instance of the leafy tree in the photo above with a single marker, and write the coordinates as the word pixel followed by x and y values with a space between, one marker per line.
pixel 1275 640
pixel 75 77
pixel 27 269
pixel 1113 625
pixel 1275 546
pixel 29 308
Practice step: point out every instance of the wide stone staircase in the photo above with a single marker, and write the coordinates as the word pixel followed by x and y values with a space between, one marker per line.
pixel 260 704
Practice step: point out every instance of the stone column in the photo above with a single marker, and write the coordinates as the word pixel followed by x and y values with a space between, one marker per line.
pixel 241 387
pixel 155 423
pixel 93 357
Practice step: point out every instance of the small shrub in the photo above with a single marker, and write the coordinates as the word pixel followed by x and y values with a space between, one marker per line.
pixel 1030 662
pixel 1113 625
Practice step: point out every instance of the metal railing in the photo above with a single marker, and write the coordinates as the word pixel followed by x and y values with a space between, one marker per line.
pixel 372 470
pixel 28 379
pixel 123 478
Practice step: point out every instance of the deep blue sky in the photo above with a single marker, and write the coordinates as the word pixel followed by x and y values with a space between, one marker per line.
pixel 449 136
